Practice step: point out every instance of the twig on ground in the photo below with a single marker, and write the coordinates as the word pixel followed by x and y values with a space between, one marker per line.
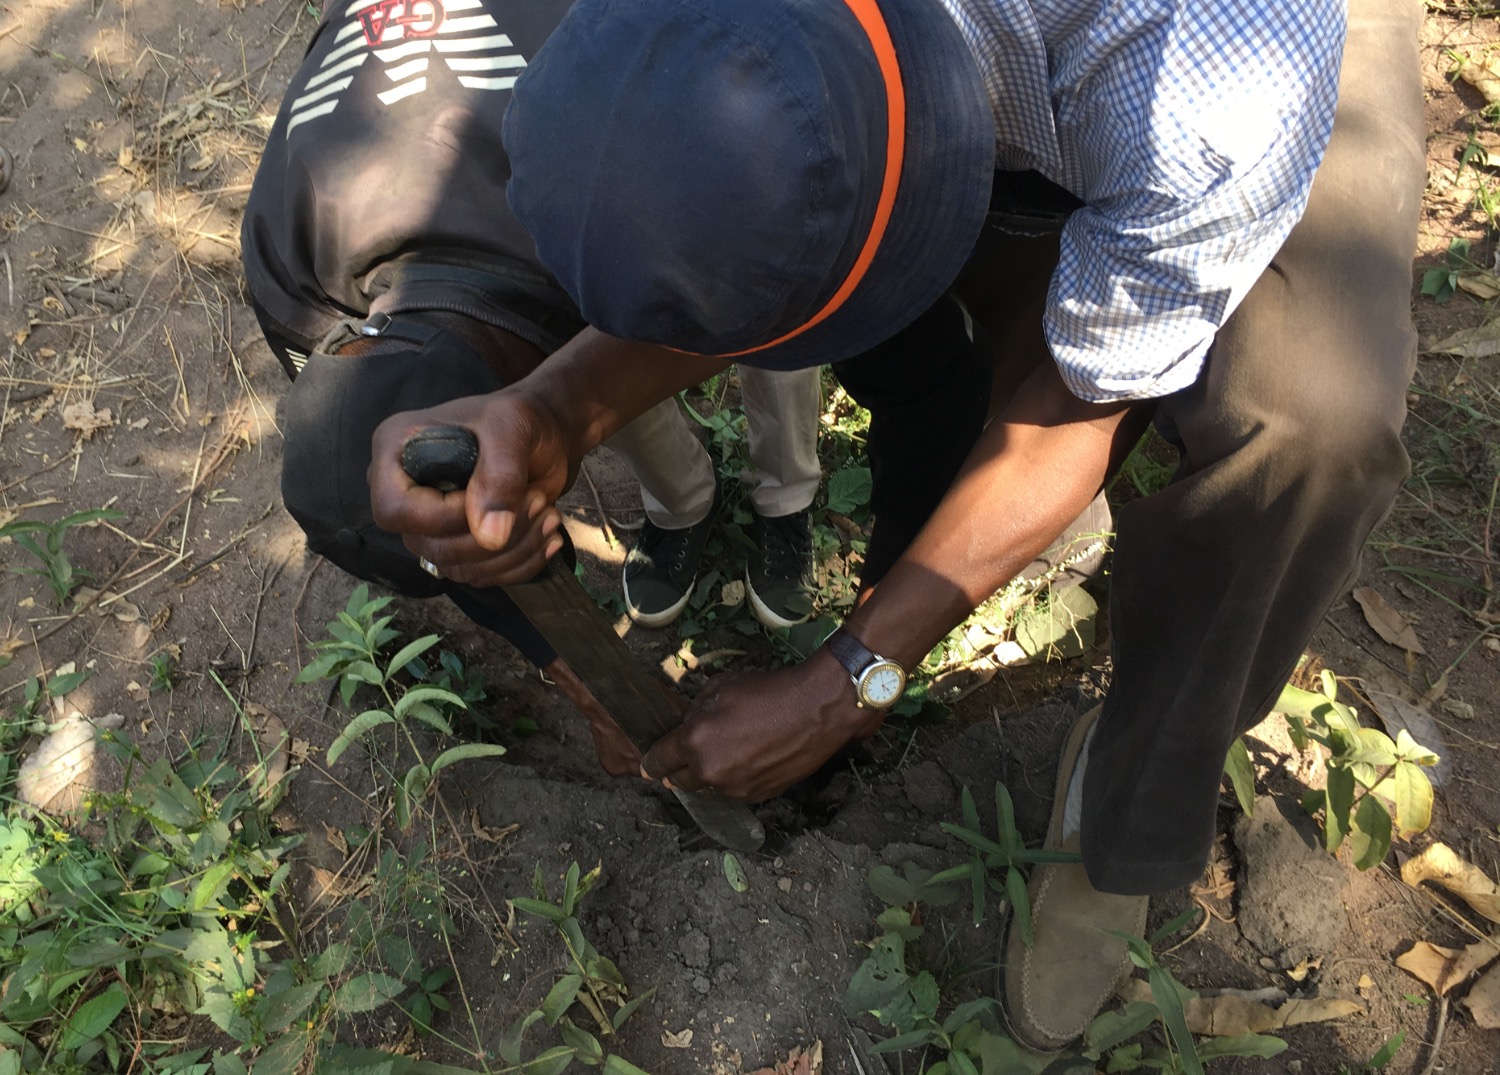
pixel 1437 1036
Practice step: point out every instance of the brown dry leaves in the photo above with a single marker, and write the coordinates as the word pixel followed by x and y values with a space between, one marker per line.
pixel 1441 865
pixel 800 1062
pixel 1444 968
pixel 83 419
pixel 1386 621
pixel 1230 1012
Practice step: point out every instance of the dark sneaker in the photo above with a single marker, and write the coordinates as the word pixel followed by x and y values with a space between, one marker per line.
pixel 779 573
pixel 661 569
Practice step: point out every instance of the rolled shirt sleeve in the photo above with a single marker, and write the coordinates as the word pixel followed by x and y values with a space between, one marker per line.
pixel 1192 131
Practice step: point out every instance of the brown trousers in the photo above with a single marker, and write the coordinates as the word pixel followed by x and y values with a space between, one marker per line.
pixel 1291 454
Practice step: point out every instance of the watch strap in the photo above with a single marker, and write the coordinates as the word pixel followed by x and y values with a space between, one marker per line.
pixel 850 652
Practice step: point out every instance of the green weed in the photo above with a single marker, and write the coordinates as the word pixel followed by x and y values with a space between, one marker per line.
pixel 592 982
pixel 354 656
pixel 45 542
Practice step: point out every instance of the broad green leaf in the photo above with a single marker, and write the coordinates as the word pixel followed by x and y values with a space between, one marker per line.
pixel 93 1017
pixel 1339 800
pixel 975 839
pixel 1411 750
pixel 550 911
pixel 849 489
pixel 1375 748
pixel 734 873
pixel 1413 795
pixel 968 1012
pixel 1020 902
pixel 356 728
pixel 1167 993
pixel 1263 1046
pixel 283 1056
pixel 211 886
pixel 552 1062
pixel 409 651
pixel 464 752
pixel 618 1065
pixel 1241 772
pixel 585 1046
pixel 364 672
pixel 1005 819
pixel 280 1008
pixel 427 695
pixel 1387 1051
pixel 961 1064
pixel 231 1064
pixel 925 995
pixel 910 1040
pixel 509 1046
pixel 367 992
pixel 1370 839
pixel 560 997
pixel 1111 1028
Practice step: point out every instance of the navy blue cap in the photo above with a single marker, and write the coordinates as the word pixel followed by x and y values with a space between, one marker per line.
pixel 703 174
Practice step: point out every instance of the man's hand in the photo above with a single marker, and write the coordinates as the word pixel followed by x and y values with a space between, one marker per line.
pixel 503 527
pixel 752 736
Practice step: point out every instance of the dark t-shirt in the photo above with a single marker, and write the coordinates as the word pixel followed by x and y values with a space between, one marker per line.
pixel 382 184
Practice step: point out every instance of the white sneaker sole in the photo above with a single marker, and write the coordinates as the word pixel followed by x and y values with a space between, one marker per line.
pixel 765 614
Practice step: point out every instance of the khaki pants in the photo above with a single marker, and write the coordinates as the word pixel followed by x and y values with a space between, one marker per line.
pixel 677 474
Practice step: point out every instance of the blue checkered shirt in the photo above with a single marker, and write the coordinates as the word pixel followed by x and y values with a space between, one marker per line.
pixel 1191 130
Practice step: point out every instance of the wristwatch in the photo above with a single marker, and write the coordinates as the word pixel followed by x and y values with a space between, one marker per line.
pixel 878 681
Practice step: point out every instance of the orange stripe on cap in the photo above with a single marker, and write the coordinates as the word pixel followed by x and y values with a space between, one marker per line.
pixel 873 24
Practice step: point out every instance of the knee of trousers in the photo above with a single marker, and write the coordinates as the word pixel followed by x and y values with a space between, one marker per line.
pixel 1341 456
pixel 345 534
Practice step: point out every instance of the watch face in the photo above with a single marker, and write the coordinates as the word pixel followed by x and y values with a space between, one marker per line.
pixel 882 684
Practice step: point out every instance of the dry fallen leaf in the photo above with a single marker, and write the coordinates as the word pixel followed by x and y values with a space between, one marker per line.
pixel 1481 342
pixel 82 418
pixel 1444 968
pixel 1482 285
pixel 1442 866
pixel 107 604
pixel 487 834
pixel 56 774
pixel 336 838
pixel 683 1039
pixel 1482 73
pixel 1386 621
pixel 798 1062
pixel 1230 1012
pixel 1483 1001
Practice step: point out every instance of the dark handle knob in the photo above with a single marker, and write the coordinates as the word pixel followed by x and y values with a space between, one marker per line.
pixel 442 457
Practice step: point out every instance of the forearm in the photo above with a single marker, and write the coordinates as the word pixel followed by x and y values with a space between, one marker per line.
pixel 595 383
pixel 1034 469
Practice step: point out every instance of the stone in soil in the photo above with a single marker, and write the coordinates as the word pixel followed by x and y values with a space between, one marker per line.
pixel 1291 891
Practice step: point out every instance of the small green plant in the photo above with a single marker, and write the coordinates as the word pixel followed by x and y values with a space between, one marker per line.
pixel 592 982
pixel 908 1001
pixel 163 672
pixel 997 864
pixel 1441 284
pixel 1375 785
pixel 354 656
pixel 1382 1057
pixel 45 542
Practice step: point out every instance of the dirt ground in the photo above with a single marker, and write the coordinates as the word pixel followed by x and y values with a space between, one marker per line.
pixel 134 378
